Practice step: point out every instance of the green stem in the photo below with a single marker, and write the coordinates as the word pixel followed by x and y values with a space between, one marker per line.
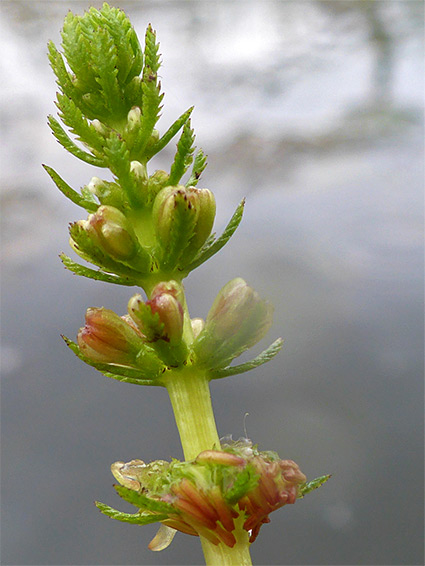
pixel 222 555
pixel 191 401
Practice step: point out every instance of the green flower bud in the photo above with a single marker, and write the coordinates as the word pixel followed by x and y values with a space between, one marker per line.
pixel 157 181
pixel 238 319
pixel 183 219
pixel 133 118
pixel 139 171
pixel 115 232
pixel 108 193
pixel 107 338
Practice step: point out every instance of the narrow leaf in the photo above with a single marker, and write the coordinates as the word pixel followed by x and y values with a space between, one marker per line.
pixel 69 192
pixel 312 485
pixel 135 519
pixel 198 167
pixel 259 360
pixel 184 154
pixel 142 501
pixel 93 274
pixel 212 248
pixel 70 146
pixel 169 134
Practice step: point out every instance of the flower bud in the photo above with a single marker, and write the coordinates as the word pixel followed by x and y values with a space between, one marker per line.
pixel 107 338
pixel 197 326
pixel 139 172
pixel 183 219
pixel 108 193
pixel 237 320
pixel 157 181
pixel 115 232
pixel 165 303
pixel 133 118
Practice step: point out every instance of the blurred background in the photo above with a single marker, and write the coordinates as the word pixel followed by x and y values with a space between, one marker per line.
pixel 313 110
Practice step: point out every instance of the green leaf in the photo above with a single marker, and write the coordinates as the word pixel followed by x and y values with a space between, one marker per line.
pixel 135 519
pixel 69 192
pixel 169 134
pixel 198 167
pixel 70 146
pixel 73 117
pixel 93 274
pixel 184 154
pixel 181 232
pixel 143 502
pixel 151 94
pixel 245 481
pixel 213 246
pixel 312 485
pixel 119 162
pixel 152 57
pixel 77 48
pixel 259 360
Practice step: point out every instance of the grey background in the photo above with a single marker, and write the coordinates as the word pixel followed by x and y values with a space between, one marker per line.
pixel 313 111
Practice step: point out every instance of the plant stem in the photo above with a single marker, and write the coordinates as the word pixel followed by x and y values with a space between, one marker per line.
pixel 222 555
pixel 191 401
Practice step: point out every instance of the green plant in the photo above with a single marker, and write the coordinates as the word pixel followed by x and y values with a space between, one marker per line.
pixel 150 230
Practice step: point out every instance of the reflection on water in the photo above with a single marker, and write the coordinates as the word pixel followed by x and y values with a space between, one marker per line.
pixel 313 110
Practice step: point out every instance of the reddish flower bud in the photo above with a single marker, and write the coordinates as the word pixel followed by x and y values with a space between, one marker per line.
pixel 107 338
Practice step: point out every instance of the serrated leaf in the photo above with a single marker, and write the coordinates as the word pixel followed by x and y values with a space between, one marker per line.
pixel 181 232
pixel 104 62
pixel 119 162
pixel 245 481
pixel 143 502
pixel 198 167
pixel 312 485
pixel 69 192
pixel 77 50
pixel 259 360
pixel 142 376
pixel 184 154
pixel 135 519
pixel 73 117
pixel 152 57
pixel 83 271
pixel 213 246
pixel 169 134
pixel 70 146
